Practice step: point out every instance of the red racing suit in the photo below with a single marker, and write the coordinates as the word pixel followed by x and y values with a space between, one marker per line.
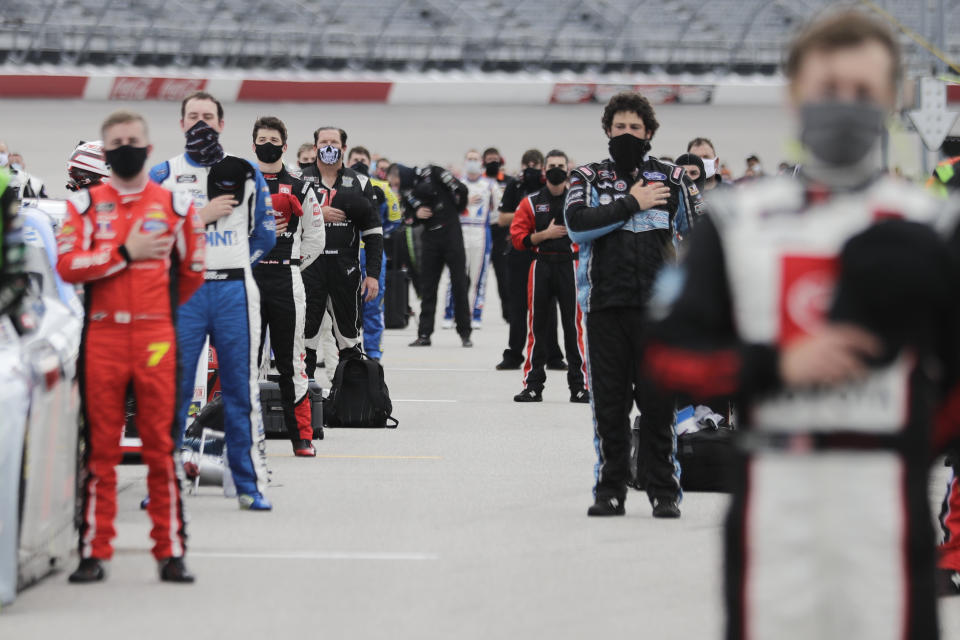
pixel 130 339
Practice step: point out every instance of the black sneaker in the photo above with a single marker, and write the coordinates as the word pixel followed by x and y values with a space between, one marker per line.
pixel 580 396
pixel 557 365
pixel 528 395
pixel 174 570
pixel 465 341
pixel 607 507
pixel 665 508
pixel 422 341
pixel 509 362
pixel 948 582
pixel 90 570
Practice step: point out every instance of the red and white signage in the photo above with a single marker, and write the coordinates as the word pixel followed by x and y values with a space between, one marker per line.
pixel 146 88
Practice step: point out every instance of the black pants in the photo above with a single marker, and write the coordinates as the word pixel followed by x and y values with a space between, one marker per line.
pixel 333 284
pixel 614 338
pixel 498 258
pixel 553 278
pixel 443 246
pixel 282 310
pixel 518 272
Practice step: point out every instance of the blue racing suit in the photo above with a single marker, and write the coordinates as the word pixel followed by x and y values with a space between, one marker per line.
pixel 391 218
pixel 227 308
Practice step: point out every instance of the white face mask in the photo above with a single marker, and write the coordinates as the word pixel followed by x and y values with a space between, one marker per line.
pixel 4 157
pixel 709 167
pixel 473 167
pixel 16 166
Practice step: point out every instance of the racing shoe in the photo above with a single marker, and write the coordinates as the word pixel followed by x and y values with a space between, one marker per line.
pixel 422 341
pixel 557 365
pixel 476 325
pixel 447 323
pixel 90 570
pixel 304 449
pixel 665 508
pixel 174 570
pixel 254 502
pixel 607 507
pixel 580 396
pixel 466 341
pixel 528 395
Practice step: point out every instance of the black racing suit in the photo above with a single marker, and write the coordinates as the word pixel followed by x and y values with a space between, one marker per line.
pixel 518 271
pixel 622 248
pixel 552 282
pixel 438 189
pixel 283 300
pixel 334 282
pixel 831 499
pixel 499 245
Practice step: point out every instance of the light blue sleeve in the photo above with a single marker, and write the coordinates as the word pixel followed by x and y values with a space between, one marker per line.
pixel 588 235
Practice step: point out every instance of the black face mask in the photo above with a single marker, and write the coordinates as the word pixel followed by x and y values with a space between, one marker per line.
pixel 304 165
pixel 532 178
pixel 556 176
pixel 203 144
pixel 126 161
pixel 628 151
pixel 269 152
pixel 492 169
pixel 361 168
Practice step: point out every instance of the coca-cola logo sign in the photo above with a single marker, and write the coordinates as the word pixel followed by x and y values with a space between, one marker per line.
pixel 140 88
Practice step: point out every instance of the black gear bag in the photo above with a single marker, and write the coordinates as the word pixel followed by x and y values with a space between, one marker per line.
pixel 359 396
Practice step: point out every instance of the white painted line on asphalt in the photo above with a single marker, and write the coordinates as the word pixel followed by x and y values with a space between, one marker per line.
pixel 314 555
pixel 423 400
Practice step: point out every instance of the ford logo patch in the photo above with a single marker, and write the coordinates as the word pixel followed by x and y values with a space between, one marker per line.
pixel 654 175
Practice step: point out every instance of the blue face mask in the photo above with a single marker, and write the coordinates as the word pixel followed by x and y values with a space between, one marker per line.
pixel 329 154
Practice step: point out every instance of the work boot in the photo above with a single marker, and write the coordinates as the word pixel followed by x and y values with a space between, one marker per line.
pixel 665 508
pixel 580 396
pixel 304 449
pixel 174 570
pixel 90 570
pixel 607 507
pixel 421 341
pixel 528 395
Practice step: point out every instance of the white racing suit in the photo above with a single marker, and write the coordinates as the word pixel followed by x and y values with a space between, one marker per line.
pixel 483 198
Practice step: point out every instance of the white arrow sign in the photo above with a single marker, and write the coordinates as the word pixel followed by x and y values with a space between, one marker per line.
pixel 932 120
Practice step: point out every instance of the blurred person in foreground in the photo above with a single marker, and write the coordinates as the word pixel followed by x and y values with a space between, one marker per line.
pixel 538 226
pixel 233 201
pixel 139 251
pixel 825 305
pixel 626 214
pixel 945 182
pixel 283 303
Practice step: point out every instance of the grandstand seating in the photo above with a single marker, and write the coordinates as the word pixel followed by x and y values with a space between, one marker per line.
pixel 742 36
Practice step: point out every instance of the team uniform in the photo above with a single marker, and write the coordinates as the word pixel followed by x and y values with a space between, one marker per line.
pixel 483 196
pixel 283 302
pixel 130 339
pixel 829 531
pixel 622 248
pixel 552 277
pixel 390 218
pixel 227 307
pixel 334 281
pixel 439 190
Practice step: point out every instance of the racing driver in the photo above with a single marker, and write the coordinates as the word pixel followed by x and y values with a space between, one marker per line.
pixel 139 251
